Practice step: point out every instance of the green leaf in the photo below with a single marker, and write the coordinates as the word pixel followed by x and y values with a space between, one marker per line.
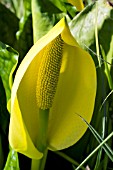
pixel 12 161
pixel 83 28
pixel 67 8
pixel 8 62
pixel 24 34
pixel 10 28
pixel 27 11
pixel 59 4
pixel 45 16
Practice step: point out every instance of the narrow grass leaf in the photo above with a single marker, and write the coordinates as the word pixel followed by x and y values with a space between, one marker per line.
pixel 95 150
pixel 106 148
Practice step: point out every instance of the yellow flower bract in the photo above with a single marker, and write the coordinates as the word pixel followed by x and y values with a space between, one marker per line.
pixel 78 3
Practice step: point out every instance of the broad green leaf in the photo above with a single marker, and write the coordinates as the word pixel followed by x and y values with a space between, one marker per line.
pixel 8 62
pixel 83 27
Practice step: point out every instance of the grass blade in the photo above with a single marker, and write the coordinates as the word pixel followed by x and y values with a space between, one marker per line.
pixel 95 150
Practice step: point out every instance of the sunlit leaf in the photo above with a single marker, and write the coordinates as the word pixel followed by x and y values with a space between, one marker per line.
pixel 8 62
pixel 25 17
pixel 83 27
pixel 45 15
pixel 12 161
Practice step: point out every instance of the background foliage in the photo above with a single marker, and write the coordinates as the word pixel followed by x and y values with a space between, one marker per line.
pixel 93 29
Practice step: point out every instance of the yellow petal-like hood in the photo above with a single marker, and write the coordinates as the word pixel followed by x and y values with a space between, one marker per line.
pixel 78 3
pixel 75 93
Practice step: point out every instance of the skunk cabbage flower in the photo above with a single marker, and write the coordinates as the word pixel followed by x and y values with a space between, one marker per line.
pixel 56 74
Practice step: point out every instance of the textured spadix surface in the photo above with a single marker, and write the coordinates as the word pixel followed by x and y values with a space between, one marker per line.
pixel 49 73
pixel 75 93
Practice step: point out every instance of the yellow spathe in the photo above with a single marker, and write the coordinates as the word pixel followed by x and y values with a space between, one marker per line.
pixel 75 93
pixel 78 3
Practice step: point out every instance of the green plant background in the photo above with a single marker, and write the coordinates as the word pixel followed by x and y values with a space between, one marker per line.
pixel 93 29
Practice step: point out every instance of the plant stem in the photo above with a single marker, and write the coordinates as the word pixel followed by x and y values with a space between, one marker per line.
pixel 42 140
